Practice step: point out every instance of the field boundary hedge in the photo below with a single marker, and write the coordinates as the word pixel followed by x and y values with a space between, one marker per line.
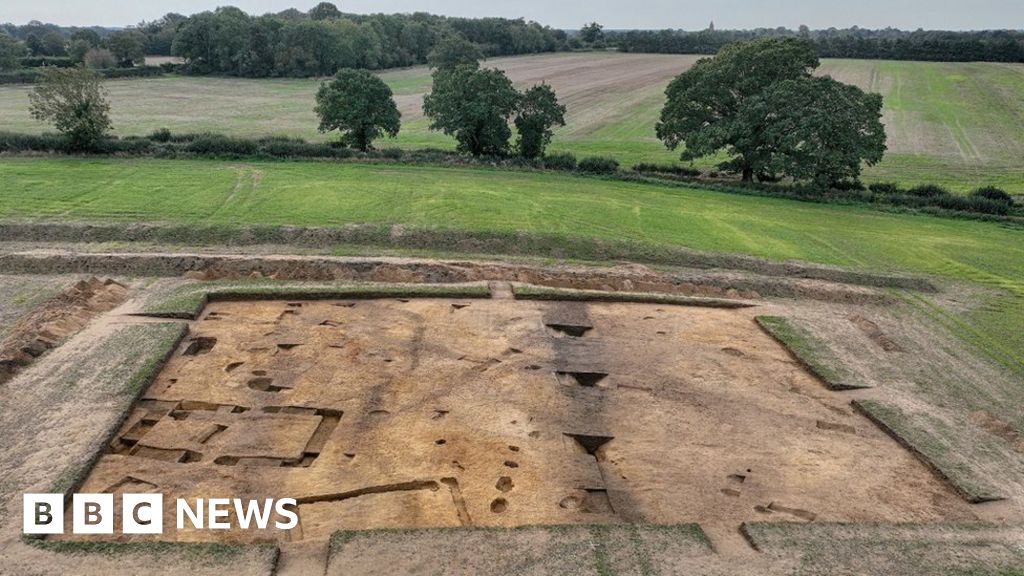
pixel 32 75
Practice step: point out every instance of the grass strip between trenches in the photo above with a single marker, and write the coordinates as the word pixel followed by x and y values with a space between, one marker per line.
pixel 531 292
pixel 186 302
pixel 929 448
pixel 601 547
pixel 810 351
pixel 907 549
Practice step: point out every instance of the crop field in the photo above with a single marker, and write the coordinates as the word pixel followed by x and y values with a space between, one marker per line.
pixel 956 124
pixel 315 193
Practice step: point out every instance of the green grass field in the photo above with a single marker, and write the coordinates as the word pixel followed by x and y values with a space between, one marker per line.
pixel 956 124
pixel 323 193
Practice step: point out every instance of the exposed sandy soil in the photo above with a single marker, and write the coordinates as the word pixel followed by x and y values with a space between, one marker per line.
pixel 765 279
pixel 688 396
pixel 429 413
pixel 61 316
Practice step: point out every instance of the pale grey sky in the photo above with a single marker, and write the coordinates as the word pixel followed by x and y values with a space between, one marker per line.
pixel 906 14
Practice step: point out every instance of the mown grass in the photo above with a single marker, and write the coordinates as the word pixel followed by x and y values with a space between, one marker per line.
pixel 908 549
pixel 563 206
pixel 960 125
pixel 188 300
pixel 929 438
pixel 546 293
pixel 810 350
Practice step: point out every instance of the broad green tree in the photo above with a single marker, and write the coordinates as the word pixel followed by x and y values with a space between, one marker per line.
pixel 128 46
pixel 360 105
pixel 75 102
pixel 538 113
pixel 704 109
pixel 53 44
pixel 452 51
pixel 592 33
pixel 473 105
pixel 11 52
pixel 99 58
pixel 818 129
pixel 324 11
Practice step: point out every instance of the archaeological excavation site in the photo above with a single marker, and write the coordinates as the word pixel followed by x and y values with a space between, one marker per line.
pixel 718 423
pixel 435 413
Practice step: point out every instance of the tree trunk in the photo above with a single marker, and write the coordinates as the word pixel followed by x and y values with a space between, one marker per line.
pixel 748 174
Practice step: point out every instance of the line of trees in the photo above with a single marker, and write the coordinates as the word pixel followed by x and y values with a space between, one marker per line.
pixel 322 41
pixel 291 43
pixel 472 104
pixel 886 44
pixel 123 48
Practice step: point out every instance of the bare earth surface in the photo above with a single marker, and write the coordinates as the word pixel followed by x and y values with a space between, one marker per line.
pixel 431 413
pixel 452 428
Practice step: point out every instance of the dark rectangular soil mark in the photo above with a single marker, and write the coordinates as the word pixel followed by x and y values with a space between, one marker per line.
pixel 597 502
pixel 574 330
pixel 588 379
pixel 199 345
pixel 590 444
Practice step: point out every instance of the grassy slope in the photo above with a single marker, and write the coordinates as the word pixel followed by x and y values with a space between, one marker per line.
pixel 480 199
pixel 959 124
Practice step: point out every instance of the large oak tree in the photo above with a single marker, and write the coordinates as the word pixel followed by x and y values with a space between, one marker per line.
pixel 733 104
pixel 360 105
pixel 473 105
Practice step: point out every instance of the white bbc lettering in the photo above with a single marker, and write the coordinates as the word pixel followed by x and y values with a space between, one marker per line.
pixel 92 513
pixel 195 516
pixel 43 513
pixel 142 514
pixel 285 512
pixel 246 514
pixel 218 508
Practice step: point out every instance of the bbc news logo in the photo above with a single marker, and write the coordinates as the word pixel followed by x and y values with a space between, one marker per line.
pixel 144 514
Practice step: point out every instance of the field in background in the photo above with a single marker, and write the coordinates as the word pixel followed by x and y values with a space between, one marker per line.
pixel 956 124
pixel 330 193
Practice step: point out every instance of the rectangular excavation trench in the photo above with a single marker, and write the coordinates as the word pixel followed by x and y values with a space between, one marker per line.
pixel 420 413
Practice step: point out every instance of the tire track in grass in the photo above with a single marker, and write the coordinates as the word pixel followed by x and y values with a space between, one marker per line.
pixel 246 177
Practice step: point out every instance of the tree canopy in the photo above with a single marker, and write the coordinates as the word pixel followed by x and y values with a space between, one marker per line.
pixel 473 105
pixel 128 46
pixel 454 50
pixel 324 11
pixel 74 101
pixel 818 129
pixel 758 102
pixel 292 43
pixel 538 112
pixel 11 52
pixel 592 33
pixel 855 42
pixel 360 105
pixel 703 110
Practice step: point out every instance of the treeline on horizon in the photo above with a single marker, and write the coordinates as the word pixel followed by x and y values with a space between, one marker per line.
pixel 229 41
pixel 886 44
pixel 292 43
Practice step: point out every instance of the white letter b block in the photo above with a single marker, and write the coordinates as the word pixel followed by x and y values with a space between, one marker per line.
pixel 43 513
pixel 92 514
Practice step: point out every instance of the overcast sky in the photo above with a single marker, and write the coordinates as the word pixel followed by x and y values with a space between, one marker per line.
pixel 906 14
